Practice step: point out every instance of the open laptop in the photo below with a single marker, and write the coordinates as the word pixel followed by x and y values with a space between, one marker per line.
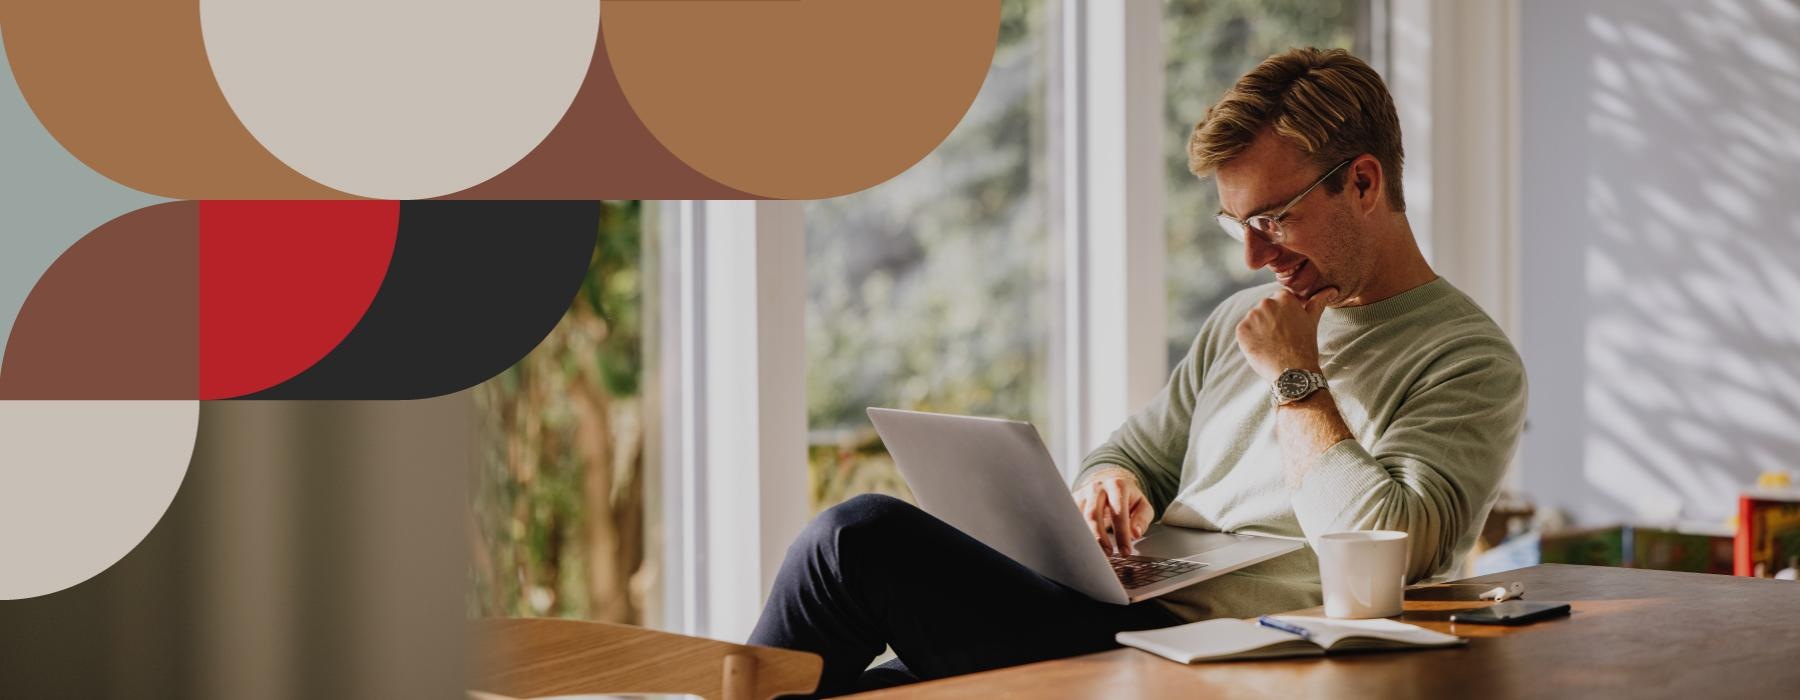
pixel 994 480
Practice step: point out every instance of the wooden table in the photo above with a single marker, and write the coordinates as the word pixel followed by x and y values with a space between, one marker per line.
pixel 1633 633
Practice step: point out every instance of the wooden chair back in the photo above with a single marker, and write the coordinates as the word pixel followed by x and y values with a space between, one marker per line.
pixel 535 657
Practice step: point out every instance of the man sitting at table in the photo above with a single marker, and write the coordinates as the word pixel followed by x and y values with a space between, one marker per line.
pixel 1405 404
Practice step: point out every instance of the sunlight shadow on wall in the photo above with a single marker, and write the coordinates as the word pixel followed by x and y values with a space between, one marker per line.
pixel 1691 256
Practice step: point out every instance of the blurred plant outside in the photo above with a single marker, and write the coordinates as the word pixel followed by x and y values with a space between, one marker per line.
pixel 932 291
pixel 1208 44
pixel 558 505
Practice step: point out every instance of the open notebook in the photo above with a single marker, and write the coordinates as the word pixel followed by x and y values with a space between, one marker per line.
pixel 1224 639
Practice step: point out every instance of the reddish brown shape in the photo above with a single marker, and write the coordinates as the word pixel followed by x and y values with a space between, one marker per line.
pixel 116 317
pixel 600 149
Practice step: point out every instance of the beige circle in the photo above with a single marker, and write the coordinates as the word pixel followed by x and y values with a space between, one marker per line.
pixel 400 99
pixel 82 483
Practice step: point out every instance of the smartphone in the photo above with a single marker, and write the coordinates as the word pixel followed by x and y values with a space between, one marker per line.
pixel 1512 612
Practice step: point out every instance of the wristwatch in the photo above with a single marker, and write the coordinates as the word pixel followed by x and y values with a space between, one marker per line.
pixel 1296 384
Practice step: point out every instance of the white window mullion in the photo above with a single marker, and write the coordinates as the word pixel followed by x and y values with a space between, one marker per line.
pixel 1113 243
pixel 1454 78
pixel 785 500
pixel 740 446
pixel 671 389
pixel 1070 415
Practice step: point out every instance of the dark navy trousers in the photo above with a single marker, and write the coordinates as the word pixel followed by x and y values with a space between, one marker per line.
pixel 876 572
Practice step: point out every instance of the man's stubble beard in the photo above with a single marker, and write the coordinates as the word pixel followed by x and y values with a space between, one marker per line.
pixel 1352 256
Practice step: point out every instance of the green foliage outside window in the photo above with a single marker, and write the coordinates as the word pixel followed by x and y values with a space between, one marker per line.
pixel 558 505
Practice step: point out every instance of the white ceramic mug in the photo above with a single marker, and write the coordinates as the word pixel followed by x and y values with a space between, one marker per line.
pixel 1363 572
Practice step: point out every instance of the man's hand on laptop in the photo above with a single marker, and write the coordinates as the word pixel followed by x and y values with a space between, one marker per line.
pixel 1115 508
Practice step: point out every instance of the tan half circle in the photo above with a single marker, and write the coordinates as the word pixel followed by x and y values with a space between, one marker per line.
pixel 400 99
pixel 124 85
pixel 800 99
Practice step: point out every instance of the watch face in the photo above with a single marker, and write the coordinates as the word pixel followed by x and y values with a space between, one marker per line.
pixel 1293 384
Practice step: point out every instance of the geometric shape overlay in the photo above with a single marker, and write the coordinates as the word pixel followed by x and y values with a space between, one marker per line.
pixel 50 200
pixel 600 150
pixel 282 283
pixel 473 286
pixel 800 100
pixel 125 86
pixel 116 316
pixel 82 483
pixel 400 99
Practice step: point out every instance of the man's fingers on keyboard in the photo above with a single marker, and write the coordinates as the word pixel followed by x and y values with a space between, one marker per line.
pixel 1115 495
pixel 1094 512
pixel 1141 515
pixel 1103 519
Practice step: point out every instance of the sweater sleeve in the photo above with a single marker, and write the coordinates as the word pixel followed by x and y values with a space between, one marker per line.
pixel 1152 444
pixel 1435 470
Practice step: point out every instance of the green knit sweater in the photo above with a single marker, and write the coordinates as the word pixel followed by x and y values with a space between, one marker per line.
pixel 1428 384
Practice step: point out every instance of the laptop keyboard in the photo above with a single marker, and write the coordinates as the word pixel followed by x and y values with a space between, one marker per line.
pixel 1135 571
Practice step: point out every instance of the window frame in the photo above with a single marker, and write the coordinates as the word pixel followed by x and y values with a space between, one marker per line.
pixel 1111 336
pixel 730 383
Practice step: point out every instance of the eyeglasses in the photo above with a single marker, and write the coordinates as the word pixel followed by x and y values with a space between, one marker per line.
pixel 1268 226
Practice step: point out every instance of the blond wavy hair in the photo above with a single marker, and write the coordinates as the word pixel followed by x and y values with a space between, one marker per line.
pixel 1327 102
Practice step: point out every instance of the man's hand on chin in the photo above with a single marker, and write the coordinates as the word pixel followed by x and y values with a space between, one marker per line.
pixel 1282 332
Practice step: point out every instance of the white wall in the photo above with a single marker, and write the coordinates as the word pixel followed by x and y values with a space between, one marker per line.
pixel 1660 252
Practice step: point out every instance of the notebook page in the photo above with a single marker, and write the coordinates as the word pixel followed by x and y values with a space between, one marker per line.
pixel 1375 633
pixel 1218 639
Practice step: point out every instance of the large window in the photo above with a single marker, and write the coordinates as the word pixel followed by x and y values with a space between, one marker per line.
pixel 932 291
pixel 559 503
pixel 1207 45
pixel 942 289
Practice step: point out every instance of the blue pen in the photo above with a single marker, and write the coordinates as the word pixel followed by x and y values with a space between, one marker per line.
pixel 1271 622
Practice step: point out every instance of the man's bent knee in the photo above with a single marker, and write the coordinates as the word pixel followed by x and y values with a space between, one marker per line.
pixel 867 514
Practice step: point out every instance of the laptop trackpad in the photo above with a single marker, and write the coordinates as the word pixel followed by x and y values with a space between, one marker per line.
pixel 1168 542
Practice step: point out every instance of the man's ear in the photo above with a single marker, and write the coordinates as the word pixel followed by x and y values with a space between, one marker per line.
pixel 1366 183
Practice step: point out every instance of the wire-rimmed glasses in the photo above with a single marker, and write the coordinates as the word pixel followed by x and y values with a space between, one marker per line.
pixel 1268 226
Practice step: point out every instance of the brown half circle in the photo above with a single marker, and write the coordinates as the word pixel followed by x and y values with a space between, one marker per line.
pixel 801 99
pixel 125 86
pixel 117 316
